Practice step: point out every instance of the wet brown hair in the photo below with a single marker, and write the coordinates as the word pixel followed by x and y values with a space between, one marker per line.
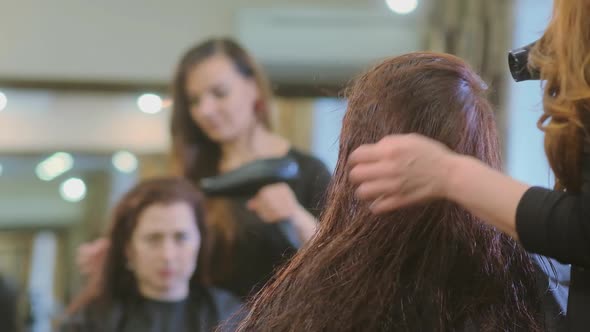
pixel 430 267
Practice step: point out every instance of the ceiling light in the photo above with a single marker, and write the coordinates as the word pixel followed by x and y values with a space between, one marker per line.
pixel 149 103
pixel 72 190
pixel 54 166
pixel 125 161
pixel 402 6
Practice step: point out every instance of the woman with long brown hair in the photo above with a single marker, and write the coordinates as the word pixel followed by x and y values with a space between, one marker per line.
pixel 401 170
pixel 431 267
pixel 220 122
pixel 152 276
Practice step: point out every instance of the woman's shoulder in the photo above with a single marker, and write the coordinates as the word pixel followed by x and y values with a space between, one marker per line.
pixel 225 302
pixel 313 181
pixel 311 167
pixel 90 318
pixel 218 308
pixel 305 158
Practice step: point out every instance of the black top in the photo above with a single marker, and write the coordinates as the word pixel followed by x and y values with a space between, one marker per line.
pixel 202 311
pixel 8 305
pixel 152 315
pixel 261 247
pixel 557 224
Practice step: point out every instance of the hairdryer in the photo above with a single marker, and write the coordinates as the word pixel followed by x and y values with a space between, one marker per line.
pixel 247 180
pixel 518 63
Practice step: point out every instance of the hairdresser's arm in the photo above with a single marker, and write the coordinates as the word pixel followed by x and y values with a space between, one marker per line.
pixel 406 169
pixel 551 223
pixel 277 202
pixel 555 224
pixel 305 223
pixel 90 257
pixel 485 192
pixel 317 179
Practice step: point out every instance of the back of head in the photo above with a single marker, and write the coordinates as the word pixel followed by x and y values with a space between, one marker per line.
pixel 432 267
pixel 436 95
pixel 562 56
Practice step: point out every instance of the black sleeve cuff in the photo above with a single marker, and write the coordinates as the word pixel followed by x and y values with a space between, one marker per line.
pixel 532 227
pixel 555 224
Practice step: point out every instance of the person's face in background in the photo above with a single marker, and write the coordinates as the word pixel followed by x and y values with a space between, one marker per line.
pixel 163 250
pixel 222 100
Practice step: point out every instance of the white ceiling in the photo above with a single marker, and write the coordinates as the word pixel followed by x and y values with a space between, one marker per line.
pixel 140 41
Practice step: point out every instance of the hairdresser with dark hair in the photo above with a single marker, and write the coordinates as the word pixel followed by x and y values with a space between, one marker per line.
pixel 221 122
pixel 401 170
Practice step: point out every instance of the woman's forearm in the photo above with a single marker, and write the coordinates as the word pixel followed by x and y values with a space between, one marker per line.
pixel 485 192
pixel 305 224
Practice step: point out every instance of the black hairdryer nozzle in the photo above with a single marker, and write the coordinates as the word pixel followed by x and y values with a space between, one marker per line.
pixel 248 179
pixel 518 63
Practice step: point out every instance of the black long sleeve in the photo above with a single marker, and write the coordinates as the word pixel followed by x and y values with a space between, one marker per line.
pixel 555 224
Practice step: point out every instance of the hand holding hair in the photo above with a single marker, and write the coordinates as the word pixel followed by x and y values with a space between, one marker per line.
pixel 400 170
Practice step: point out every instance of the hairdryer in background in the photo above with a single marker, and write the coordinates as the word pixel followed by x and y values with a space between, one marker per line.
pixel 518 59
pixel 247 180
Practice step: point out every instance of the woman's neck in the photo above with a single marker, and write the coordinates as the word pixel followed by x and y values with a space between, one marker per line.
pixel 177 293
pixel 261 143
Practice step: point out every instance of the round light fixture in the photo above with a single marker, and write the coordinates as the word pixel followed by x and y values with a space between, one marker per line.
pixel 149 103
pixel 72 190
pixel 402 6
pixel 124 161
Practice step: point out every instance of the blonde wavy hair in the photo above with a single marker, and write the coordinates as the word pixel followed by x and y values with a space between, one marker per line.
pixel 562 56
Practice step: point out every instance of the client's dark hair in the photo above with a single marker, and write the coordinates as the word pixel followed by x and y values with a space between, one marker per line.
pixel 429 267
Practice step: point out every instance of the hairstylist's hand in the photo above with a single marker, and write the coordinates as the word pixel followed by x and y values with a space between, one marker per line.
pixel 90 257
pixel 274 203
pixel 400 170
